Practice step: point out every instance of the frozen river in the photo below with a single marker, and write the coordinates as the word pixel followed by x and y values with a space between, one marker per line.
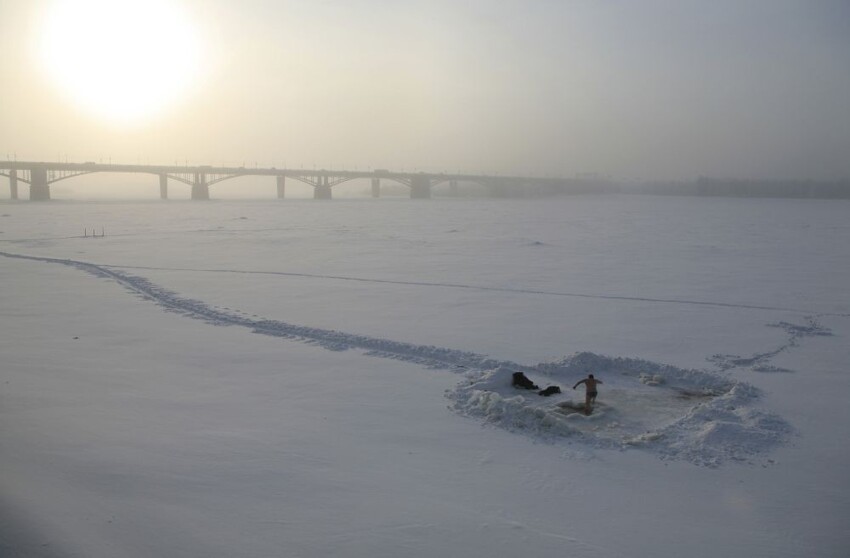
pixel 135 425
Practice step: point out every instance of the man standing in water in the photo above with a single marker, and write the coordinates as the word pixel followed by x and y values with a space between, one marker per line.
pixel 591 393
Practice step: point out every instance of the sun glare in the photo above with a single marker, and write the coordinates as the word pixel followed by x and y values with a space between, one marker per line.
pixel 122 60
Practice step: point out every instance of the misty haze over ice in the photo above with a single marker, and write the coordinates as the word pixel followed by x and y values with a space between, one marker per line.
pixel 653 90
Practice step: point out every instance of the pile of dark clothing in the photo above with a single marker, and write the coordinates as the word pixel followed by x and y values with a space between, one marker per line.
pixel 521 381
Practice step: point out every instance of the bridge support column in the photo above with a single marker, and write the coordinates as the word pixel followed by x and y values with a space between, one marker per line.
pixel 39 188
pixel 376 187
pixel 13 184
pixel 163 186
pixel 420 187
pixel 323 189
pixel 281 186
pixel 200 188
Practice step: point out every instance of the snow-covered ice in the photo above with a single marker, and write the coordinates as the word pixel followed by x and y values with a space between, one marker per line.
pixel 134 424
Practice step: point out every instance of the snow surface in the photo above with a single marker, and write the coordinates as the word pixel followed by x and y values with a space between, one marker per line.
pixel 358 401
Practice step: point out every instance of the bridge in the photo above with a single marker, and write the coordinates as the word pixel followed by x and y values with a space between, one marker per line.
pixel 40 175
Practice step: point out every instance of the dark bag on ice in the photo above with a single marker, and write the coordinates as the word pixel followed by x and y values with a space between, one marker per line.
pixel 551 390
pixel 521 381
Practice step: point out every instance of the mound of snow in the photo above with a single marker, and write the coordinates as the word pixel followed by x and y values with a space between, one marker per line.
pixel 672 412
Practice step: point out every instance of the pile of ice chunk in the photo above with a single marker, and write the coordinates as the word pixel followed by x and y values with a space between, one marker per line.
pixel 675 413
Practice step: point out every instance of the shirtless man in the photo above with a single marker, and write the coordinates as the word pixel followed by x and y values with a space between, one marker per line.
pixel 590 395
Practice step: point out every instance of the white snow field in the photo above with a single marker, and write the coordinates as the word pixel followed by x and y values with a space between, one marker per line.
pixel 313 379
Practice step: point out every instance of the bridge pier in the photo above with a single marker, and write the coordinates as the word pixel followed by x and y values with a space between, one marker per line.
pixel 281 186
pixel 420 187
pixel 39 188
pixel 13 184
pixel 376 187
pixel 163 186
pixel 322 189
pixel 200 188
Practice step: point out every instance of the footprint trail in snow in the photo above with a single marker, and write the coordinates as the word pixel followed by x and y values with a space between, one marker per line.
pixel 675 413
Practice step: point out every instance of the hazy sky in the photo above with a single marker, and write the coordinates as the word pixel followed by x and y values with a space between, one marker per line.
pixel 634 89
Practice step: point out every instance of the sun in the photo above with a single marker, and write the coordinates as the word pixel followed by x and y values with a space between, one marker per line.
pixel 122 60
